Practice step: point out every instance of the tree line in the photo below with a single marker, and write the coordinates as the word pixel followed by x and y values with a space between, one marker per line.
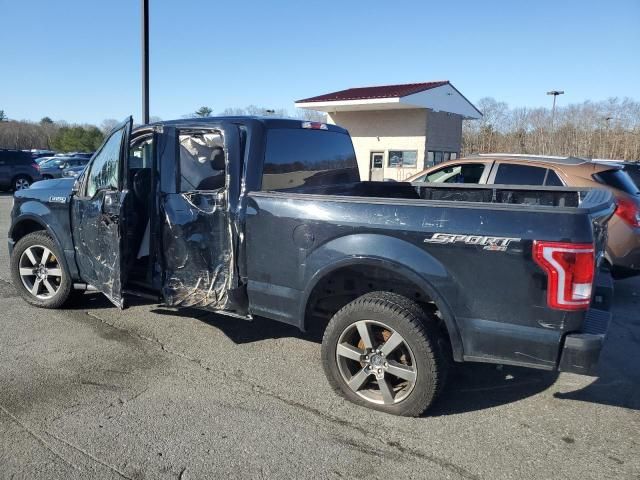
pixel 64 137
pixel 49 135
pixel 605 129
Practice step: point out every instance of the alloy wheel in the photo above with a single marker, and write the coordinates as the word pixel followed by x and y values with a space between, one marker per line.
pixel 22 183
pixel 40 272
pixel 376 362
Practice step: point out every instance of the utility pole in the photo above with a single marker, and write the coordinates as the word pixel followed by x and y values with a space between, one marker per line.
pixel 555 93
pixel 145 61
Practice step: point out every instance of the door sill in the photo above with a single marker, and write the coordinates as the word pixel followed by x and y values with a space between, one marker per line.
pixel 142 293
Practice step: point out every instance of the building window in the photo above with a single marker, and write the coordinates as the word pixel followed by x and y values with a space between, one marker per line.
pixel 435 157
pixel 403 158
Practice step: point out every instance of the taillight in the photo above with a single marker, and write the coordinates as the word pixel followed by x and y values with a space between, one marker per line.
pixel 570 269
pixel 628 211
pixel 36 166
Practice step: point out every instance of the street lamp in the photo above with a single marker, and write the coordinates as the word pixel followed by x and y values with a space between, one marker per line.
pixel 555 93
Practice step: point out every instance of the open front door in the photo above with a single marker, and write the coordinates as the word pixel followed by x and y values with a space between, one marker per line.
pixel 97 216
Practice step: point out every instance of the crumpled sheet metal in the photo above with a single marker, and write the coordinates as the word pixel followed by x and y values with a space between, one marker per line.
pixel 100 263
pixel 198 253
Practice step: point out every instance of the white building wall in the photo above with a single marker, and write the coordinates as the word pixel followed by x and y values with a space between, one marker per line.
pixel 384 131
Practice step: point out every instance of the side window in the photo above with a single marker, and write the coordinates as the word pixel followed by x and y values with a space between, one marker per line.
pixel 202 160
pixel 510 174
pixel 140 154
pixel 463 173
pixel 402 158
pixel 105 168
pixel 553 180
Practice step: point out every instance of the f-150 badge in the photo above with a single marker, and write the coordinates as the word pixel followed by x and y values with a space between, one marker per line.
pixel 494 244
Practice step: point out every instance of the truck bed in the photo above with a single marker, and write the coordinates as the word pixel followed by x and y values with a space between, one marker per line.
pixel 503 194
pixel 495 296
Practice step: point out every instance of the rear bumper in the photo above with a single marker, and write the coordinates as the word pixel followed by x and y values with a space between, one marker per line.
pixel 581 350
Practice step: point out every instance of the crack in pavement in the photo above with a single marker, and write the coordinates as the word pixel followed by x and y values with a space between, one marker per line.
pixel 246 382
pixel 37 437
pixel 88 455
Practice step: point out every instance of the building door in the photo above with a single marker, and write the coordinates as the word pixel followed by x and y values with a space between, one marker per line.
pixel 376 171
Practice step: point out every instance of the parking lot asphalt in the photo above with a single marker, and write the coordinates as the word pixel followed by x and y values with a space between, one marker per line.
pixel 91 391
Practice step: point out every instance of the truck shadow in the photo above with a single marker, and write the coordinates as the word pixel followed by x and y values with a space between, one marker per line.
pixel 472 387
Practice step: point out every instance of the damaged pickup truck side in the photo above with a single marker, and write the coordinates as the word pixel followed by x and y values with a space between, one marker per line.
pixel 265 217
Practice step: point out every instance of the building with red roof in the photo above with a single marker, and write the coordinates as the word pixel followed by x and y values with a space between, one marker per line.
pixel 398 130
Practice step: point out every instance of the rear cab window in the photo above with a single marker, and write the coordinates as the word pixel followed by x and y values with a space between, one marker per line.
pixel 618 179
pixel 300 158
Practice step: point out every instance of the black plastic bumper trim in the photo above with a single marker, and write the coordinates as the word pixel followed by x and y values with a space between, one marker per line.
pixel 581 350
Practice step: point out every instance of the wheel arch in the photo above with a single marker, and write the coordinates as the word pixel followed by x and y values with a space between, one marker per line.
pixel 18 175
pixel 27 224
pixel 396 270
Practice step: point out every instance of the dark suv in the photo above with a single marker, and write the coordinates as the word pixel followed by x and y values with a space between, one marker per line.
pixel 18 170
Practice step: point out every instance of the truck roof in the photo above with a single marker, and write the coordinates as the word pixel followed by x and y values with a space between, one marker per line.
pixel 266 121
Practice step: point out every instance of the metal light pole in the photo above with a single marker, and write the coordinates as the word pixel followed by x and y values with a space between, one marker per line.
pixel 145 61
pixel 555 93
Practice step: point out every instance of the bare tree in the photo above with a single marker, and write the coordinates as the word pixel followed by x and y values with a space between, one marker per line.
pixel 607 129
pixel 108 124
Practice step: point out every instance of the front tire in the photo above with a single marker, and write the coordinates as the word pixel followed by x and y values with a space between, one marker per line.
pixel 39 272
pixel 382 351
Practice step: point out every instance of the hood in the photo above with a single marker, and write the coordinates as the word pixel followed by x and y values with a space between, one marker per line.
pixel 54 190
pixel 54 184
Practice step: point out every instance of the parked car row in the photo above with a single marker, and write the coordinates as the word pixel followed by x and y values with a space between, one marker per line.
pixel 56 166
pixel 20 168
pixel 623 246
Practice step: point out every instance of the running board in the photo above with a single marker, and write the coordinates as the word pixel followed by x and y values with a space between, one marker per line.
pixel 85 287
pixel 146 295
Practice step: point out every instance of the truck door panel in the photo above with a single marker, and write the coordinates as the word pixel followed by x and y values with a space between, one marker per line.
pixel 98 220
pixel 199 265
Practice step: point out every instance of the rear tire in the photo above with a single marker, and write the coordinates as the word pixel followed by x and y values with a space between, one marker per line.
pixel 401 367
pixel 21 182
pixel 39 272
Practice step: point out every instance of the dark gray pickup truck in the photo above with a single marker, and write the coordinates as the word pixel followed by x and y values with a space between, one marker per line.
pixel 264 217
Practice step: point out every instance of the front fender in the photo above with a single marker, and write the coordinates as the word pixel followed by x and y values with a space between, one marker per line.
pixel 56 228
pixel 394 254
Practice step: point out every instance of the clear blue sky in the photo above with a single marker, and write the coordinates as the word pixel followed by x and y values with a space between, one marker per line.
pixel 79 60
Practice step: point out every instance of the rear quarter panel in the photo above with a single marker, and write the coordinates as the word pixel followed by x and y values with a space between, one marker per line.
pixel 497 300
